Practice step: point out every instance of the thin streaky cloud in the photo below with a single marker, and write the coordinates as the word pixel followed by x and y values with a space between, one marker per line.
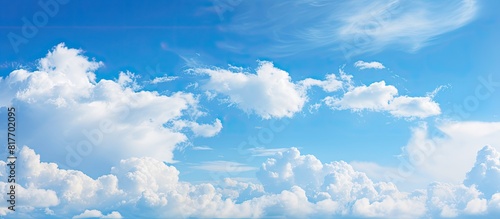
pixel 266 152
pixel 202 148
pixel 368 65
pixel 163 79
pixel 351 27
pixel 223 166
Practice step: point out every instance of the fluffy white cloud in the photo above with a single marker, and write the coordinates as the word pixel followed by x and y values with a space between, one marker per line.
pixel 97 214
pixel 268 93
pixel 76 120
pixel 381 97
pixel 293 185
pixel 421 107
pixel 374 97
pixel 485 173
pixel 331 83
pixel 367 65
pixel 205 130
pixel 448 200
pixel 138 186
pixel 336 187
pixel 427 152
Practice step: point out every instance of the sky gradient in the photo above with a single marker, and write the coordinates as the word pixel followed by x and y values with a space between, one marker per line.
pixel 231 108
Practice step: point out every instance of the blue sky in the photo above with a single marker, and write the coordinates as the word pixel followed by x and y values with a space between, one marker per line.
pixel 323 88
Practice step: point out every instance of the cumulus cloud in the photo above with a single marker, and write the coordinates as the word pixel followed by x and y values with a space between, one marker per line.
pixel 76 119
pixel 205 130
pixel 143 187
pixel 421 107
pixel 293 185
pixel 485 173
pixel 375 97
pixel 381 97
pixel 428 146
pixel 331 84
pixel 97 214
pixel 336 188
pixel 367 65
pixel 448 200
pixel 270 93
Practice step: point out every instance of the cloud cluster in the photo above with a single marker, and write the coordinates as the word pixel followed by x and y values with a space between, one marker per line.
pixel 72 115
pixel 381 97
pixel 486 171
pixel 271 93
pixel 293 185
pixel 427 146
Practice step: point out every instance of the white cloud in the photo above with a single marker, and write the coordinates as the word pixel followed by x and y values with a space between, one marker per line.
pixel 269 93
pixel 294 185
pixel 448 200
pixel 485 173
pixel 421 107
pixel 367 65
pixel 353 27
pixel 427 155
pixel 406 24
pixel 223 166
pixel 76 120
pixel 331 83
pixel 494 203
pixel 163 79
pixel 204 130
pixel 314 107
pixel 201 148
pixel 375 171
pixel 336 187
pixel 266 152
pixel 381 97
pixel 375 97
pixel 97 214
pixel 210 95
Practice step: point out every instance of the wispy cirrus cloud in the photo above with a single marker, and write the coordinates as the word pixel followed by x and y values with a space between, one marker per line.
pixel 202 148
pixel 266 152
pixel 352 27
pixel 223 166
